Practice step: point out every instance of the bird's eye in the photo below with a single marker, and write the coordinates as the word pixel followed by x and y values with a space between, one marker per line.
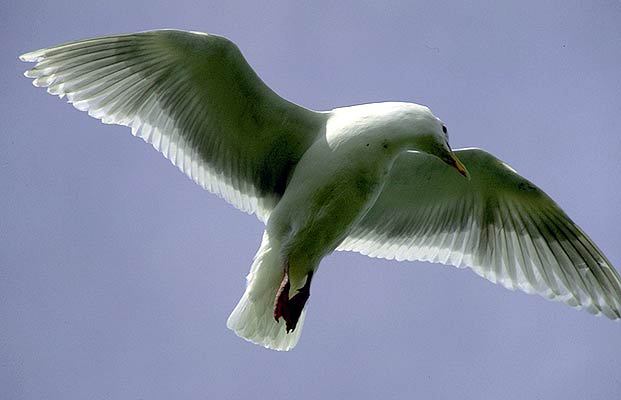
pixel 445 131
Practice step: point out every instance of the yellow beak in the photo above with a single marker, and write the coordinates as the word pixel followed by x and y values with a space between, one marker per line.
pixel 454 162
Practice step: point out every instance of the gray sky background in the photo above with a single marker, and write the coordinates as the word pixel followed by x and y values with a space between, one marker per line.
pixel 117 273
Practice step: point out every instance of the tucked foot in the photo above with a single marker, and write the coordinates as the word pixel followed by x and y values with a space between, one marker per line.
pixel 282 298
pixel 290 309
pixel 296 305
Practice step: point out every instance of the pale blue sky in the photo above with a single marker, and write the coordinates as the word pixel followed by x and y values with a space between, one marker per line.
pixel 117 273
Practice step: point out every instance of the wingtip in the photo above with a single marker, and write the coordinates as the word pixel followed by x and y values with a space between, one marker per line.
pixel 33 56
pixel 29 74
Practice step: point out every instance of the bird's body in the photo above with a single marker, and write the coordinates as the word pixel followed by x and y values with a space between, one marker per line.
pixel 337 180
pixel 379 179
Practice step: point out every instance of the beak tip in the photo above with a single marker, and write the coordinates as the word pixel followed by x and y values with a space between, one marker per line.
pixel 461 168
pixel 464 173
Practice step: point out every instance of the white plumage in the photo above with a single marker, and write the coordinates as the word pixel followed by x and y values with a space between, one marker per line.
pixel 379 179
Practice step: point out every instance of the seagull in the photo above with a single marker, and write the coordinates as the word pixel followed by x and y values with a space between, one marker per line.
pixel 378 179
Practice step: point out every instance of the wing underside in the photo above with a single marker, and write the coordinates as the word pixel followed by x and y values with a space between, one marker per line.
pixel 498 224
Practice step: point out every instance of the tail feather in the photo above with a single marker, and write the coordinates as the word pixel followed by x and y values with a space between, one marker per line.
pixel 253 317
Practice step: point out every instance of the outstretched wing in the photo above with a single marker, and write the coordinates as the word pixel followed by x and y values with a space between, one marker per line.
pixel 499 224
pixel 195 99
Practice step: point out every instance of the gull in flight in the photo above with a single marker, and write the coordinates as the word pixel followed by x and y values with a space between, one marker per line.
pixel 378 179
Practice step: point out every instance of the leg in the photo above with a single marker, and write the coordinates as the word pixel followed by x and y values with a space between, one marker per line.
pixel 296 304
pixel 282 296
pixel 291 308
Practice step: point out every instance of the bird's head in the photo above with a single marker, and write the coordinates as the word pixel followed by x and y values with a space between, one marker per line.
pixel 413 127
pixel 393 128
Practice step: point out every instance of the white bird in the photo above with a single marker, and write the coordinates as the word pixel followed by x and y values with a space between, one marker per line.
pixel 379 179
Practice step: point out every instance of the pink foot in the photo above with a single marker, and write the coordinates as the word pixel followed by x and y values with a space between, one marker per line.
pixel 282 298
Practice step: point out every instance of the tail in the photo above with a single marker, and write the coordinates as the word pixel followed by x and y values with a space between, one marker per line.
pixel 253 318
